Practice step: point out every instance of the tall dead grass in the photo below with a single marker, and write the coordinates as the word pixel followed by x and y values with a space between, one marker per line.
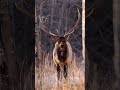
pixel 46 76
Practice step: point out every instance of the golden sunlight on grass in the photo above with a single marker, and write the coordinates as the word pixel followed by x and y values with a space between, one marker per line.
pixel 46 77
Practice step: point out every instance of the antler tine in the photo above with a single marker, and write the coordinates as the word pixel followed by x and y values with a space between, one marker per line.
pixel 44 28
pixel 76 24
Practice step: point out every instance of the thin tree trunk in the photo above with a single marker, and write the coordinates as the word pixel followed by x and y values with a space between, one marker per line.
pixel 37 40
pixel 116 24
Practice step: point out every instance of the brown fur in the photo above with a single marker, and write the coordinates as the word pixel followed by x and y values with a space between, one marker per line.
pixel 62 55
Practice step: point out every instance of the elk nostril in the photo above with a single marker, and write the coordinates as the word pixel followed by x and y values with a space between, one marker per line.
pixel 62 46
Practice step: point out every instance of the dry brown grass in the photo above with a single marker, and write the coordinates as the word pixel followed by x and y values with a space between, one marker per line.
pixel 46 77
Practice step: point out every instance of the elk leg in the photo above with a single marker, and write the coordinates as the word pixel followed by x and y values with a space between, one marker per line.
pixel 65 71
pixel 58 71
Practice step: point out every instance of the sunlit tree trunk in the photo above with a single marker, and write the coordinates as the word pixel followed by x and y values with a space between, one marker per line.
pixel 116 24
pixel 37 41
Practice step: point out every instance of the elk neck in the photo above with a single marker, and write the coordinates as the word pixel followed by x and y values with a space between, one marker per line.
pixel 62 54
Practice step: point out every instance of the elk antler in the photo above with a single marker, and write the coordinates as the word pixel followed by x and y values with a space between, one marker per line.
pixel 43 20
pixel 76 24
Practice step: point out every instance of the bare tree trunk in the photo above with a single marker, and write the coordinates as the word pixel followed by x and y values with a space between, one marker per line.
pixel 116 24
pixel 37 41
pixel 8 43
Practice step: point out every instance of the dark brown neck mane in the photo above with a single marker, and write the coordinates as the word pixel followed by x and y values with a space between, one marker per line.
pixel 62 55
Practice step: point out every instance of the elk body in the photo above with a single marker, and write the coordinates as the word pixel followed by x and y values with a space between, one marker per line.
pixel 62 55
pixel 62 52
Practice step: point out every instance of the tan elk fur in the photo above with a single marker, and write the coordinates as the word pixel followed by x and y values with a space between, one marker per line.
pixel 69 55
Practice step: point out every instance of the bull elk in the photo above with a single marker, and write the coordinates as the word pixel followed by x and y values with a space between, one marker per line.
pixel 62 52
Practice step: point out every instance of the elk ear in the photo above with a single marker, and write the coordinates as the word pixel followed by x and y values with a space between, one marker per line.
pixel 55 37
